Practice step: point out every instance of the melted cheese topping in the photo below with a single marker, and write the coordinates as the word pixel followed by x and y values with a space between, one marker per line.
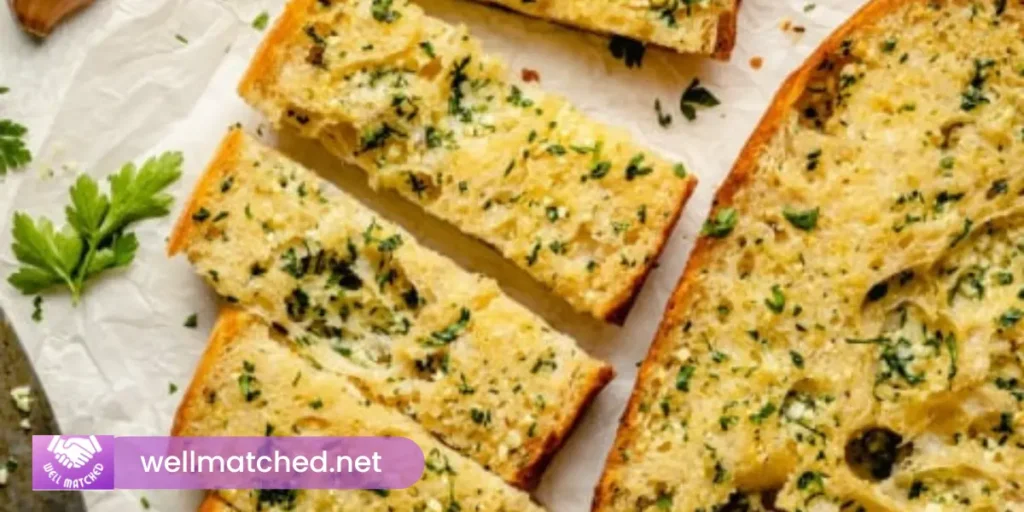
pixel 850 340
pixel 361 297
pixel 418 105
pixel 253 385
pixel 687 26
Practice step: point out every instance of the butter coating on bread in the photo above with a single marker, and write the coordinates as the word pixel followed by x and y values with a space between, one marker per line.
pixel 360 297
pixel 704 27
pixel 418 105
pixel 251 383
pixel 848 335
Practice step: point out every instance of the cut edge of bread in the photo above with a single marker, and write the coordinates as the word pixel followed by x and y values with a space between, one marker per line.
pixel 617 310
pixel 183 230
pixel 230 322
pixel 787 95
pixel 264 63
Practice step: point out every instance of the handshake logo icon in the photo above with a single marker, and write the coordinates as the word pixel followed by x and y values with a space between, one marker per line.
pixel 72 462
pixel 73 452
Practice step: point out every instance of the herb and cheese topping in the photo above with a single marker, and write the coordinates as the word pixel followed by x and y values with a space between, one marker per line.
pixel 358 296
pixel 251 383
pixel 417 104
pixel 848 336
pixel 686 26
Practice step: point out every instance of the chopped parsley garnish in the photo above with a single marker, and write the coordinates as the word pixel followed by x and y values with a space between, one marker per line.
pixel 630 51
pixel 635 168
pixel 450 333
pixel 664 119
pixel 777 302
pixel 696 95
pixel 802 219
pixel 721 224
pixel 974 96
pixel 600 169
pixel 192 321
pixel 382 11
pixel 1010 318
pixel 684 376
pixel 261 20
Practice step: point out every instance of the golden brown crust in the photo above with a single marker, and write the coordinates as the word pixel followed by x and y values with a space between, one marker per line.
pixel 222 159
pixel 264 64
pixel 214 503
pixel 727 34
pixel 529 477
pixel 787 96
pixel 621 306
pixel 229 324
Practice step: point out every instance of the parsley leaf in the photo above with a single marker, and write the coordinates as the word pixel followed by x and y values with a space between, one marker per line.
pixel 696 95
pixel 629 51
pixel 13 153
pixel 94 238
pixel 805 220
pixel 261 20
pixel 48 256
pixel 721 224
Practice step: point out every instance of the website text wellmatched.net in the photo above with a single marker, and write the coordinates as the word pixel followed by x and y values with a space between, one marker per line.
pixel 191 462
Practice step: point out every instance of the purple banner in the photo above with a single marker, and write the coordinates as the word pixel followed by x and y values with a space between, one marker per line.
pixel 107 462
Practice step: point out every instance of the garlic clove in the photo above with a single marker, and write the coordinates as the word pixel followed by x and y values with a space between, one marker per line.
pixel 38 17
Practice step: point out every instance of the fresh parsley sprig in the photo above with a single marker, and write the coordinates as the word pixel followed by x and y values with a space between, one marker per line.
pixel 95 238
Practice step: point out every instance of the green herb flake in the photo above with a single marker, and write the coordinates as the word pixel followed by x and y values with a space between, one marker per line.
pixel 450 333
pixel 777 302
pixel 696 95
pixel 629 51
pixel 261 20
pixel 1010 318
pixel 721 224
pixel 684 376
pixel 805 220
pixel 37 309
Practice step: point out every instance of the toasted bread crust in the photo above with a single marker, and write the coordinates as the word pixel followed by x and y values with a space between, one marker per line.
pixel 771 121
pixel 619 309
pixel 727 34
pixel 230 322
pixel 264 63
pixel 225 154
pixel 529 477
pixel 213 503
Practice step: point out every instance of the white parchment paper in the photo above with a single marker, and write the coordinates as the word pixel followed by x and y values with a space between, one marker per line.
pixel 115 85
